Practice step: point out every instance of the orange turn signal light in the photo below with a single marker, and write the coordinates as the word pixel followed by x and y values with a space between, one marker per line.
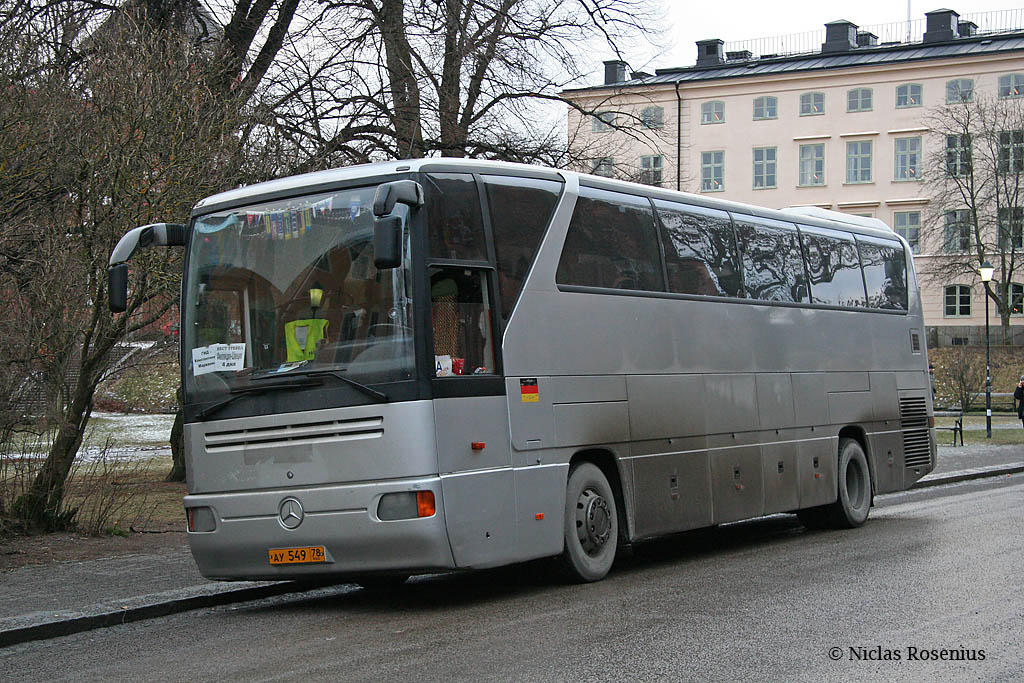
pixel 540 515
pixel 477 445
pixel 425 506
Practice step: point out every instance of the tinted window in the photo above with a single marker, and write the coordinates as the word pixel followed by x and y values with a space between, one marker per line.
pixel 456 229
pixel 834 269
pixel 885 273
pixel 700 252
pixel 520 210
pixel 773 269
pixel 611 243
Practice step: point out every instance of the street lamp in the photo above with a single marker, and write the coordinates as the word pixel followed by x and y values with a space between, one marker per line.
pixel 985 271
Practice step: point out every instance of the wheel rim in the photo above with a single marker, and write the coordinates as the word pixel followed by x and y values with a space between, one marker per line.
pixel 593 521
pixel 856 484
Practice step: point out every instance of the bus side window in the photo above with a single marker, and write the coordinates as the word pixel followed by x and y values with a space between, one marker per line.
pixel 462 322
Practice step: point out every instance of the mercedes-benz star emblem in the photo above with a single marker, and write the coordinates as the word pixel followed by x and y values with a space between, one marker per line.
pixel 290 514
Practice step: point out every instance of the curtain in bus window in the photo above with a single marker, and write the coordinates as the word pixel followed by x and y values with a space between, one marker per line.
pixel 520 209
pixel 700 252
pixel 885 273
pixel 611 243
pixel 834 268
pixel 773 269
pixel 455 224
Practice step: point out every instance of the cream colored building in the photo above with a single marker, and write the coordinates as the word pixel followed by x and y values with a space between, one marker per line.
pixel 842 128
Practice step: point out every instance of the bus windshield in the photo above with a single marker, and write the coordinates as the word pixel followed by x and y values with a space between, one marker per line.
pixel 289 287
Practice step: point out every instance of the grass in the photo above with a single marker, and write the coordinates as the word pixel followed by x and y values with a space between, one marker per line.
pixel 1006 430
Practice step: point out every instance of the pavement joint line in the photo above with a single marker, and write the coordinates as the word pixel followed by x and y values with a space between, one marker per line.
pixel 213 595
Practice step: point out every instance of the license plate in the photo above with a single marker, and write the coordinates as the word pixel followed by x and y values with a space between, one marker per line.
pixel 312 553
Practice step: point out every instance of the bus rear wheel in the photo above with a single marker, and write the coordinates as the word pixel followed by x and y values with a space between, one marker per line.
pixel 591 524
pixel 853 501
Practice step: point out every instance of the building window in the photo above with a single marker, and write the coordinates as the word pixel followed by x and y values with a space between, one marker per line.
pixel 604 167
pixel 602 121
pixel 1016 298
pixel 650 170
pixel 958 231
pixel 812 103
pixel 652 117
pixel 1011 228
pixel 1011 151
pixel 712 112
pixel 958 301
pixel 766 107
pixel 908 158
pixel 858 161
pixel 858 99
pixel 958 155
pixel 812 164
pixel 764 167
pixel 908 95
pixel 1011 85
pixel 959 90
pixel 907 225
pixel 712 171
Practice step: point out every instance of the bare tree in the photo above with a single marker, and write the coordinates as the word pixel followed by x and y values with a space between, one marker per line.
pixel 129 135
pixel 976 183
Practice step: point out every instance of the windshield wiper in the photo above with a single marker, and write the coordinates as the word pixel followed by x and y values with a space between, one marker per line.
pixel 381 397
pixel 239 392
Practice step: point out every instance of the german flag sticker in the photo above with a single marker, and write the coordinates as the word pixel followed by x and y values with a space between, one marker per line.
pixel 528 390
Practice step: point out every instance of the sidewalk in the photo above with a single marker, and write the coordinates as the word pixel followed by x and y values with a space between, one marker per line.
pixel 47 601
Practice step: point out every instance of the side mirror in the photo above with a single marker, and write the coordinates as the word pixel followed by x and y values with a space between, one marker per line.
pixel 387 242
pixel 117 287
pixel 406 192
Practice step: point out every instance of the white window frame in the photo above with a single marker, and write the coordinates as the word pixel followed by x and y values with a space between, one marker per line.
pixel 1011 86
pixel 860 105
pixel 961 224
pixel 653 117
pixel 957 291
pixel 812 165
pixel 812 104
pixel 712 112
pixel 955 92
pixel 712 171
pixel 1016 293
pixel 1011 151
pixel 651 168
pixel 907 224
pixel 855 153
pixel 911 94
pixel 958 155
pixel 907 159
pixel 604 167
pixel 1016 228
pixel 769 106
pixel 765 167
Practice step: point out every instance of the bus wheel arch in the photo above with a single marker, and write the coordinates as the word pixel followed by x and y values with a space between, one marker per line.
pixel 594 517
pixel 855 485
pixel 857 433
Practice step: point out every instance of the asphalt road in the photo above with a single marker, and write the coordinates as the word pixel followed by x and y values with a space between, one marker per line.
pixel 935 574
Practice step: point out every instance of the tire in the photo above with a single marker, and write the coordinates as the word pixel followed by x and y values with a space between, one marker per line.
pixel 591 526
pixel 853 502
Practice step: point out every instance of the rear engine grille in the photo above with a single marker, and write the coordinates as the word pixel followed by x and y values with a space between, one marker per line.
pixel 916 439
pixel 289 435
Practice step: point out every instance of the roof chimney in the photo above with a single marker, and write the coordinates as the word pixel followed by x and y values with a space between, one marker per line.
pixel 941 25
pixel 614 71
pixel 840 36
pixel 866 39
pixel 739 55
pixel 709 52
pixel 967 28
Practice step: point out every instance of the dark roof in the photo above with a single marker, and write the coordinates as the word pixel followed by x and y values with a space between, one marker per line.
pixel 860 56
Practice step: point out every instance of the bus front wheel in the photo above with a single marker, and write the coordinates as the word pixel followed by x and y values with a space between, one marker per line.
pixel 591 524
pixel 854 492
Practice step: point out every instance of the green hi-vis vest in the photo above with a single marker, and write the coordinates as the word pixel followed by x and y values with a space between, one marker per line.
pixel 302 336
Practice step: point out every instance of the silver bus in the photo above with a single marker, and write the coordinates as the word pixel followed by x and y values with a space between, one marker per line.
pixel 438 364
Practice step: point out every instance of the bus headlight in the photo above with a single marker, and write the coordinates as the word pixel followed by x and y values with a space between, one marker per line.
pixel 406 505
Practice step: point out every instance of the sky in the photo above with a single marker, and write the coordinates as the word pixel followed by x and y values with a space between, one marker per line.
pixel 737 20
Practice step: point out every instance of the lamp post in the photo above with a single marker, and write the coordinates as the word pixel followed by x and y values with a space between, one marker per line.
pixel 985 271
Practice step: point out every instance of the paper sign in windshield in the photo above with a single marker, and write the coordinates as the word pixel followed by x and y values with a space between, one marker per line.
pixel 217 357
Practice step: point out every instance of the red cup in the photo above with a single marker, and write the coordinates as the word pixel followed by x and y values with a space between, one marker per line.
pixel 458 366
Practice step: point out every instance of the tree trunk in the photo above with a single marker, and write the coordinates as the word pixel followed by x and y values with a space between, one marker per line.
pixel 177 472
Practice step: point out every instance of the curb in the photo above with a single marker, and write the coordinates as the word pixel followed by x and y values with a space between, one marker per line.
pixel 214 595
pixel 159 605
pixel 967 475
